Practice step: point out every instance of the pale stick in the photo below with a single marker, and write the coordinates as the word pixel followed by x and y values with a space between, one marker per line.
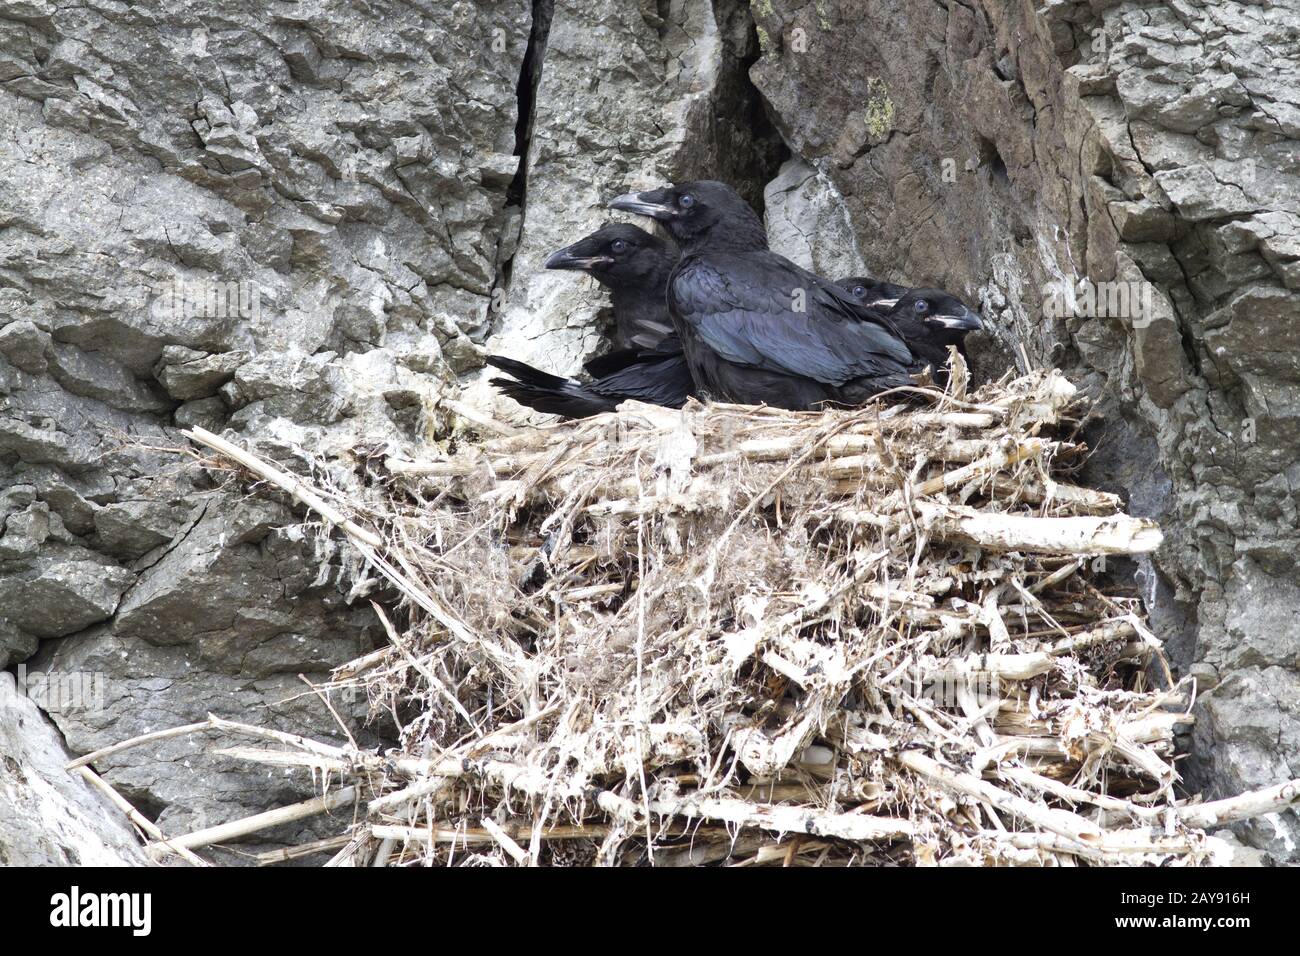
pixel 225 832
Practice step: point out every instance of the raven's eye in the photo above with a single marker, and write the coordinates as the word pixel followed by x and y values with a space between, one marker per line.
pixel 859 291
pixel 618 247
pixel 686 200
pixel 921 306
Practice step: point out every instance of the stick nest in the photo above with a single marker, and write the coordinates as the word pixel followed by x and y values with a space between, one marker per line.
pixel 885 636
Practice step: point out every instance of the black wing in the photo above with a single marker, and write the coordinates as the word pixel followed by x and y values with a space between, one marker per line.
pixel 548 393
pixel 761 310
pixel 656 376
pixel 619 359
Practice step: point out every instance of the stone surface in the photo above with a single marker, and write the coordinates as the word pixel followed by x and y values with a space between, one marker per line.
pixel 278 221
pixel 808 222
pixel 49 816
pixel 148 687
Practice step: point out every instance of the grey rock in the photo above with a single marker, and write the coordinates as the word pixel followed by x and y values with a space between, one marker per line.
pixel 15 645
pixel 64 499
pixel 59 596
pixel 49 816
pixel 25 531
pixel 178 782
pixel 296 386
pixel 129 529
pixel 231 586
pixel 209 413
pixel 23 344
pixel 44 443
pixel 188 374
pixel 808 222
pixel 93 376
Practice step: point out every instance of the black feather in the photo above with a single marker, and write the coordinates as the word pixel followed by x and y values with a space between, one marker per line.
pixel 755 327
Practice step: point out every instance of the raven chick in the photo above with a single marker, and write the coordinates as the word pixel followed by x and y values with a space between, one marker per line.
pixel 929 319
pixel 647 366
pixel 869 291
pixel 755 327
pixel 634 266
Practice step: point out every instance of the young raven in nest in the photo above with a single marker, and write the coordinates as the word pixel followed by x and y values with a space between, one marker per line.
pixel 755 327
pixel 930 320
pixel 647 364
pixel 634 266
pixel 869 291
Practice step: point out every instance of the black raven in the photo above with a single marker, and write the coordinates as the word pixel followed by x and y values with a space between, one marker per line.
pixel 930 320
pixel 755 327
pixel 647 363
pixel 634 266
pixel 871 291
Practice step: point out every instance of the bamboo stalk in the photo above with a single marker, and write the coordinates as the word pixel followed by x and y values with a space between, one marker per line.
pixel 1069 825
pixel 1003 666
pixel 1007 454
pixel 470 413
pixel 470 835
pixel 98 755
pixel 285 758
pixel 844 826
pixel 226 832
pixel 507 843
pixel 286 482
pixel 1217 813
pixel 1116 847
pixel 291 853
pixel 1103 633
pixel 1117 534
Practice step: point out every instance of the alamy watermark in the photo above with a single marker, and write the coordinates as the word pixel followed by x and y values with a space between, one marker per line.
pixel 63 692
pixel 1100 300
pixel 207 299
pixel 74 909
pixel 946 688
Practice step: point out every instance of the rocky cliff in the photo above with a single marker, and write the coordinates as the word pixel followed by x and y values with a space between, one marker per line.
pixel 305 225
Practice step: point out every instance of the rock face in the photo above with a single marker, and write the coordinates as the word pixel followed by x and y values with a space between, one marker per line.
pixel 306 225
pixel 49 816
pixel 1001 150
pixel 288 223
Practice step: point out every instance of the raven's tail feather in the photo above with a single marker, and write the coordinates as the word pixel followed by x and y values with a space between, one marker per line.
pixel 544 392
pixel 526 373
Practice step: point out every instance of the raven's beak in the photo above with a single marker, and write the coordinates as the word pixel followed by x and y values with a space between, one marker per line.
pixel 643 205
pixel 963 321
pixel 883 303
pixel 567 259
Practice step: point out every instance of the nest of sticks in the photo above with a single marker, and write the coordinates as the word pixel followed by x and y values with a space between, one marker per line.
pixel 885 636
